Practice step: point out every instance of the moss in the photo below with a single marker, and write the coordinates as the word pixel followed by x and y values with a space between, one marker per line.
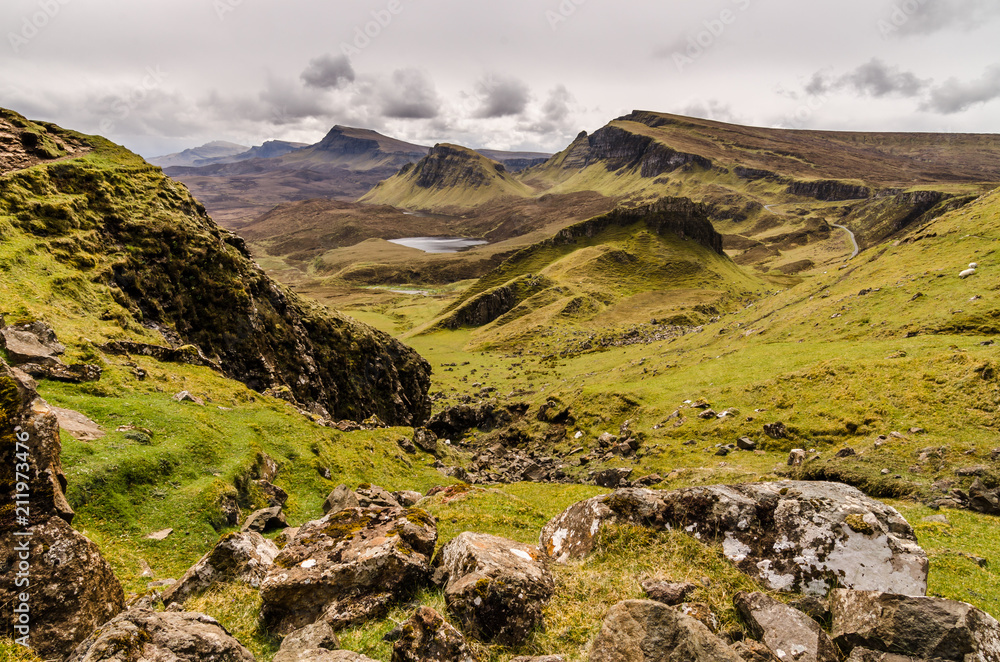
pixel 346 524
pixel 420 517
pixel 858 523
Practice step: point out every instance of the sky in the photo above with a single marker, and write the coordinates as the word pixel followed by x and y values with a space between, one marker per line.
pixel 159 76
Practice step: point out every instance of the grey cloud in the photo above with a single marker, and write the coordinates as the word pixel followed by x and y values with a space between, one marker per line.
pixel 328 72
pixel 556 112
pixel 712 109
pixel 410 94
pixel 874 78
pixel 955 96
pixel 923 17
pixel 502 96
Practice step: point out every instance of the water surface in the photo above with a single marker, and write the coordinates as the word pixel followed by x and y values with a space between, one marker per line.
pixel 439 244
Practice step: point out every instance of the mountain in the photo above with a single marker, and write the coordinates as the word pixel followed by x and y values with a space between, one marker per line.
pixel 449 179
pixel 209 152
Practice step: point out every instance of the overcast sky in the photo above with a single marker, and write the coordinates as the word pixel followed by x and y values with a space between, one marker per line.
pixel 162 75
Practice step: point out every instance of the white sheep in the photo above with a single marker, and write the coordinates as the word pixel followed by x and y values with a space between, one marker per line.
pixel 966 273
pixel 974 265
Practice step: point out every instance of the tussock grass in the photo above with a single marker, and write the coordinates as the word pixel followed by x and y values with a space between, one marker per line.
pixel 237 608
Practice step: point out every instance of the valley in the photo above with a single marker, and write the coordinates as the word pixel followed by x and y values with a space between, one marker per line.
pixel 668 303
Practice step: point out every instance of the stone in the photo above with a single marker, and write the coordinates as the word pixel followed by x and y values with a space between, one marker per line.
pixel 73 588
pixel 814 607
pixel 920 627
pixel 796 457
pixel 309 643
pixel 754 651
pixel 669 593
pixel 425 440
pixel 34 342
pixel 648 481
pixel 77 425
pixel 142 634
pixel 746 444
pixel 788 632
pixel 426 637
pixel 977 470
pixel 406 445
pixel 846 452
pixel 274 495
pixel 613 477
pixel 701 612
pixel 238 557
pixel 792 536
pixel 865 655
pixel 185 396
pixel 776 430
pixel 407 498
pixel 22 411
pixel 984 500
pixel 286 536
pixel 264 467
pixel 265 520
pixel 374 496
pixel 708 414
pixel 160 535
pixel 496 588
pixel 937 519
pixel 341 498
pixel 649 631
pixel 349 567
pixel 78 373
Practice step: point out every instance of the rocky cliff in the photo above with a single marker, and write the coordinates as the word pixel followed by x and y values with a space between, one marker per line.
pixel 131 230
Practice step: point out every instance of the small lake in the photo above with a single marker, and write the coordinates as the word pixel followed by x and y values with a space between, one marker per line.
pixel 439 244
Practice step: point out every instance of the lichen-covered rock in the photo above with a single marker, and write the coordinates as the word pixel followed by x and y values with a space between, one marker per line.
pixel 141 635
pixel 792 536
pixel 866 655
pixel 426 637
pixel 754 651
pixel 242 557
pixel 649 631
pixel 73 589
pixel 348 567
pixel 788 632
pixel 921 627
pixel 669 593
pixel 496 588
pixel 375 496
pixel 312 642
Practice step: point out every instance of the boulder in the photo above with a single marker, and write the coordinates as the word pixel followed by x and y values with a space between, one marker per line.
pixel 78 373
pixel 142 634
pixel 496 588
pixel 776 430
pixel 34 342
pixel 669 593
pixel 425 440
pixel 792 536
pixel 649 631
pixel 374 496
pixel 984 500
pixel 746 444
pixel 788 632
pixel 920 627
pixel 73 589
pixel 407 498
pixel 348 567
pixel 264 467
pixel 865 655
pixel 341 498
pixel 796 457
pixel 426 637
pixel 274 495
pixel 310 643
pixel 754 651
pixel 24 413
pixel 265 520
pixel 239 557
pixel 613 477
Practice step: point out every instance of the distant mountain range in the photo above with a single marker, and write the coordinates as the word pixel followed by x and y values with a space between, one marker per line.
pixel 239 184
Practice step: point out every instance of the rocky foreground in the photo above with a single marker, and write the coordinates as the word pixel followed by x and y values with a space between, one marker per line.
pixel 855 559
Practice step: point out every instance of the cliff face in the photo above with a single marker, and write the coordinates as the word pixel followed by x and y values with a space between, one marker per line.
pixel 358 145
pixel 129 228
pixel 829 190
pixel 617 148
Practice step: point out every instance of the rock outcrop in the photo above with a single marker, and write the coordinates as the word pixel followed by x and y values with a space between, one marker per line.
pixel 829 190
pixel 426 637
pixel 349 567
pixel 649 631
pixel 496 588
pixel 917 627
pixel 141 634
pixel 786 631
pixel 241 557
pixel 804 536
pixel 313 642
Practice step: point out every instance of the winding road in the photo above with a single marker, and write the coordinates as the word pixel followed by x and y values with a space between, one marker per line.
pixel 854 240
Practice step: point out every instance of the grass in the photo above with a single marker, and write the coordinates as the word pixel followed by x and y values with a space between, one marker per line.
pixel 13 652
